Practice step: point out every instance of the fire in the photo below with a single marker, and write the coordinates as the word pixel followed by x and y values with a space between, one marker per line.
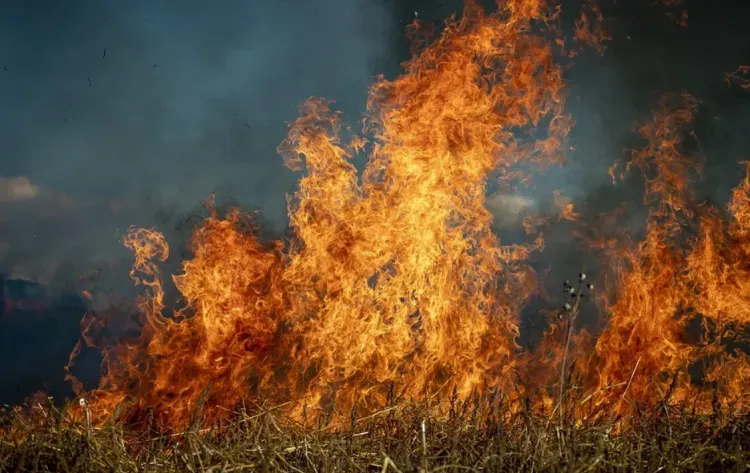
pixel 567 208
pixel 589 27
pixel 671 278
pixel 741 77
pixel 398 281
pixel 674 11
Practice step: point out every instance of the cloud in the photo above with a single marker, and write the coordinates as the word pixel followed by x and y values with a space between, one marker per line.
pixel 27 200
pixel 16 189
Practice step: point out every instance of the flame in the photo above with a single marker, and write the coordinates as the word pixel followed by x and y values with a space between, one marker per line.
pixel 399 280
pixel 566 206
pixel 675 11
pixel 741 77
pixel 589 27
pixel 671 278
pixel 611 172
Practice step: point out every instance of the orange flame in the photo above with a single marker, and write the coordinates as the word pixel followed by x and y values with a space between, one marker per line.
pixel 566 207
pixel 740 77
pixel 676 12
pixel 399 279
pixel 589 27
pixel 672 278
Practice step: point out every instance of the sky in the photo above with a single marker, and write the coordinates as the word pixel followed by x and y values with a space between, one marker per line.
pixel 120 113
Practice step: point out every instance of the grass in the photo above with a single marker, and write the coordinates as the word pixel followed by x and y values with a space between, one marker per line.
pixel 401 438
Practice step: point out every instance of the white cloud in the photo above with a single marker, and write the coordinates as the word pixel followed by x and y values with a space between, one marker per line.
pixel 16 189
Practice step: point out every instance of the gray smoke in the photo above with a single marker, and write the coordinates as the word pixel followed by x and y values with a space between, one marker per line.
pixel 118 113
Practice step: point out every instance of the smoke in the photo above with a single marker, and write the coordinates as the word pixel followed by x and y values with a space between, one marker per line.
pixel 132 113
pixel 120 113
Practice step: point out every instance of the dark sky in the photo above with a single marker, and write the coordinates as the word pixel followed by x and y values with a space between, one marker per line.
pixel 192 97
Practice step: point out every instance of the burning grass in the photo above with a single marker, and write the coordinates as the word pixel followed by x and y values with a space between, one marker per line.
pixel 406 436
pixel 384 329
pixel 396 274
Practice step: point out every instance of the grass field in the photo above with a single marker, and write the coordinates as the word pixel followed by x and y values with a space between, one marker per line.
pixel 403 438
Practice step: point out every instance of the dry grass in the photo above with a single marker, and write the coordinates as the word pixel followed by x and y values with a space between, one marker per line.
pixel 403 438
